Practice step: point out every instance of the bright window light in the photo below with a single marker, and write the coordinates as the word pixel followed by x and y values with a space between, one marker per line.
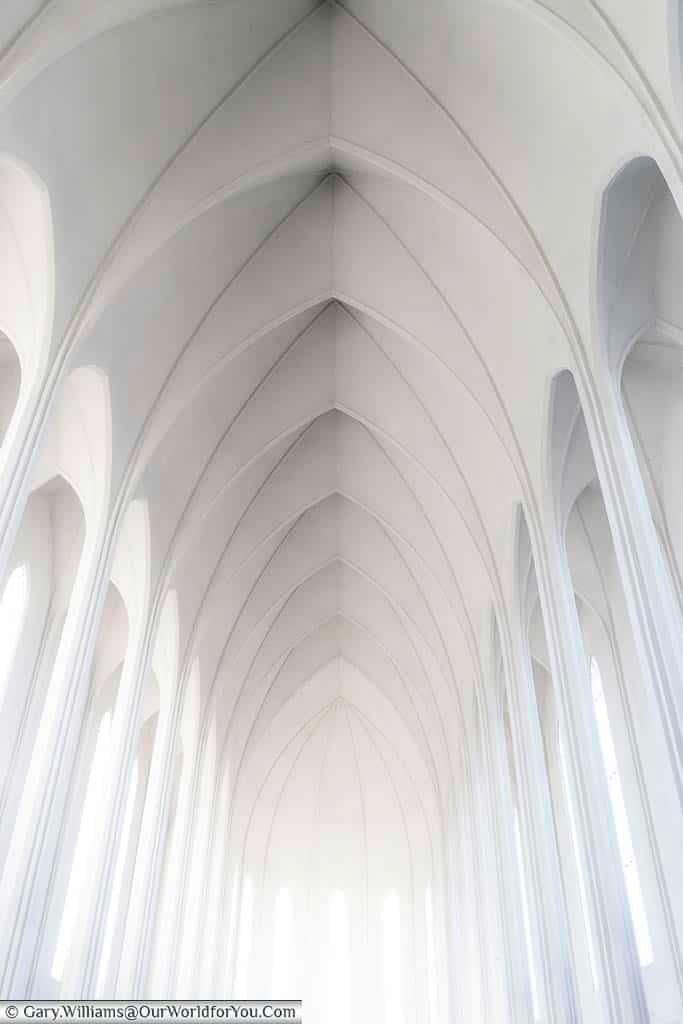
pixel 12 615
pixel 583 892
pixel 391 958
pixel 246 925
pixel 338 965
pixel 431 957
pixel 526 917
pixel 117 885
pixel 623 830
pixel 81 864
pixel 232 927
pixel 282 937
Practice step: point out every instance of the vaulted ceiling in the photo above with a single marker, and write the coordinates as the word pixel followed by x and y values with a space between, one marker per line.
pixel 330 257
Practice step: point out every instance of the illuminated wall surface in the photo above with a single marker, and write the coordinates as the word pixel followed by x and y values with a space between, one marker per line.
pixel 341 506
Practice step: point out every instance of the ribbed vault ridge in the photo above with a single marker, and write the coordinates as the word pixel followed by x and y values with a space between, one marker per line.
pixel 341 520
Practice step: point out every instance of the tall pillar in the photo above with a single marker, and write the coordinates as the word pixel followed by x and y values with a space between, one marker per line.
pixel 15 467
pixel 489 864
pixel 217 871
pixel 470 902
pixel 617 958
pixel 138 938
pixel 539 843
pixel 82 973
pixel 519 994
pixel 196 878
pixel 117 911
pixel 655 613
pixel 28 873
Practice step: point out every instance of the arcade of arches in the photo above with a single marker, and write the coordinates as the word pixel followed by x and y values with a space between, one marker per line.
pixel 341 506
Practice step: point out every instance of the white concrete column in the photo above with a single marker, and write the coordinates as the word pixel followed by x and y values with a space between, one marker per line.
pixel 117 912
pixel 21 720
pixel 139 931
pixel 470 908
pixel 454 930
pixel 18 455
pixel 28 872
pixel 651 803
pixel 196 880
pixel 217 870
pixel 60 906
pixel 617 958
pixel 655 613
pixel 222 956
pixel 488 863
pixel 164 969
pixel 579 911
pixel 549 921
pixel 519 994
pixel 84 961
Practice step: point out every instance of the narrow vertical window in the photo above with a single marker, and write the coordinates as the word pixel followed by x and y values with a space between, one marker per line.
pixel 282 937
pixel 119 875
pixel 583 892
pixel 623 829
pixel 391 958
pixel 431 957
pixel 80 867
pixel 338 965
pixel 246 923
pixel 526 918
pixel 12 615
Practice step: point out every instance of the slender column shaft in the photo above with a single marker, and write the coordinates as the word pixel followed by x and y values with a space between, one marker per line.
pixel 216 923
pixel 95 896
pixel 654 611
pixel 139 932
pixel 488 861
pixel 620 972
pixel 197 879
pixel 519 995
pixel 29 868
pixel 117 911
pixel 18 454
pixel 539 845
